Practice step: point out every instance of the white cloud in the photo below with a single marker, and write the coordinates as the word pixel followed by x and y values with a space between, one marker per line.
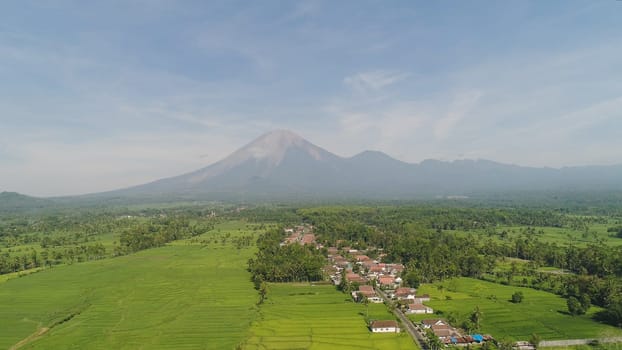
pixel 373 80
pixel 460 107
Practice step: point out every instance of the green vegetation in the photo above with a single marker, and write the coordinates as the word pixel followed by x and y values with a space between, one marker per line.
pixel 315 317
pixel 186 295
pixel 288 263
pixel 539 313
pixel 183 277
pixel 517 297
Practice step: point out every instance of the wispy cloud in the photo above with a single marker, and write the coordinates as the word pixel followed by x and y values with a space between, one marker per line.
pixel 458 110
pixel 373 80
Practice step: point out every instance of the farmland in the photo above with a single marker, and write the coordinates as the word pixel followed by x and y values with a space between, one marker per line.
pixel 186 295
pixel 304 316
pixel 594 233
pixel 540 312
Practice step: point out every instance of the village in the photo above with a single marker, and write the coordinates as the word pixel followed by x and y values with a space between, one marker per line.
pixel 370 280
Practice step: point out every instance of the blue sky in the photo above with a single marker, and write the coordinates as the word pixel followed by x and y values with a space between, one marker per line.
pixel 97 96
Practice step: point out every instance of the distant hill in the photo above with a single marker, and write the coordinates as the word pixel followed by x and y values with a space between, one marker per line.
pixel 281 164
pixel 11 202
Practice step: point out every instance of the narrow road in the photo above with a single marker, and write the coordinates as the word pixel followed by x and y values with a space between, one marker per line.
pixel 570 342
pixel 410 327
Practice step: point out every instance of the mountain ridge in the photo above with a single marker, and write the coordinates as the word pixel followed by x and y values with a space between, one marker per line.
pixel 282 162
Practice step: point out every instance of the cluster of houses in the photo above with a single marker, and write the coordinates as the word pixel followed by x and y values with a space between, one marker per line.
pixel 411 302
pixel 451 336
pixel 361 269
pixel 372 273
pixel 302 234
pixel 366 275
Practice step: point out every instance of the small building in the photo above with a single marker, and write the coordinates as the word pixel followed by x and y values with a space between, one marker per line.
pixel 419 309
pixel 375 269
pixel 384 326
pixel 361 258
pixel 428 323
pixel 419 299
pixel 367 291
pixel 386 281
pixel 353 277
pixel 405 293
pixel 308 238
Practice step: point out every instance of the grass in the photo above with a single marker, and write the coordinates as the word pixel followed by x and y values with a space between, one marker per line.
pixel 303 316
pixel 181 296
pixel 540 312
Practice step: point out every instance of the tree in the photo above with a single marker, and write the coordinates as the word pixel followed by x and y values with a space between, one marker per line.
pixel 263 292
pixel 585 301
pixel 574 306
pixel 366 303
pixel 434 343
pixel 517 297
pixel 412 279
pixel 476 317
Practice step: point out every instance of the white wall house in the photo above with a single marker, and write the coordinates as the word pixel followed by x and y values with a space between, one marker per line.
pixel 384 327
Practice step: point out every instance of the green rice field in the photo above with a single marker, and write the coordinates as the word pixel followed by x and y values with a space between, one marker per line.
pixel 315 317
pixel 181 296
pixel 540 313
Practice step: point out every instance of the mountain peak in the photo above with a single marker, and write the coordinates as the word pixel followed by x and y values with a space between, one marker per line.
pixel 274 143
pixel 272 147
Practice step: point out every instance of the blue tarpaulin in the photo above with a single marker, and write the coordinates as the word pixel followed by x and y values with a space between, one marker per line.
pixel 478 338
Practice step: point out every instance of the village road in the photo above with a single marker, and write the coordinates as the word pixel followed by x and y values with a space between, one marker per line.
pixel 410 327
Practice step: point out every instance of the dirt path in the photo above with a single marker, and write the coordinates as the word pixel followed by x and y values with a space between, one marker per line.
pixel 34 336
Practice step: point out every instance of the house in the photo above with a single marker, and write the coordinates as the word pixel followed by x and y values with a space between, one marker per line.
pixel 340 261
pixel 386 281
pixel 375 269
pixel 444 331
pixel 369 263
pixel 428 323
pixel 405 293
pixel 361 258
pixel 355 278
pixel 394 269
pixel 419 309
pixel 385 326
pixel 421 298
pixel 308 238
pixel 367 291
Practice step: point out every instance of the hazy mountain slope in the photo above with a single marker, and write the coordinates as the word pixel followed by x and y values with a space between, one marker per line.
pixel 281 163
pixel 11 202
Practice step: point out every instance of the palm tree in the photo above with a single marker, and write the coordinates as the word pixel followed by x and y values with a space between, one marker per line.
pixel 476 317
